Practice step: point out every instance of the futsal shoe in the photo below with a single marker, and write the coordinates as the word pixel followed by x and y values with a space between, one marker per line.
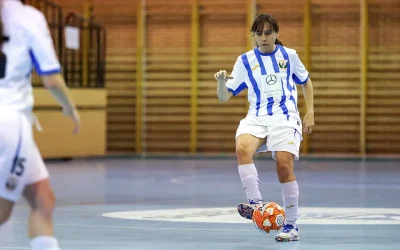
pixel 289 233
pixel 246 210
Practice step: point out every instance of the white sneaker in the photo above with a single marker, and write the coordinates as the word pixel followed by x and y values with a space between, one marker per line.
pixel 289 233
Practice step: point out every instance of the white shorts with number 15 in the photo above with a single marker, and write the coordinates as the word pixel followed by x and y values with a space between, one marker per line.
pixel 20 161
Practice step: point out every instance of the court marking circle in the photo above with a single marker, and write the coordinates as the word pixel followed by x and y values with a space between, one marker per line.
pixel 307 215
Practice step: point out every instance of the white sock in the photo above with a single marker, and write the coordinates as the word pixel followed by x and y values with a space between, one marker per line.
pixel 249 176
pixel 44 243
pixel 290 195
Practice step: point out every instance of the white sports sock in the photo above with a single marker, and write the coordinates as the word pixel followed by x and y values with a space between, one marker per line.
pixel 249 176
pixel 290 195
pixel 44 243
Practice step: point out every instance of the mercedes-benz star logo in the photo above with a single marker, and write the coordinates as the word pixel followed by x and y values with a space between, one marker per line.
pixel 271 79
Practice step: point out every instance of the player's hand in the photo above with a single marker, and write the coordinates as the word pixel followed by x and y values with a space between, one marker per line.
pixel 74 115
pixel 222 75
pixel 308 123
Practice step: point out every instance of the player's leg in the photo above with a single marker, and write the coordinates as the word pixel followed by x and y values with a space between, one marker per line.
pixel 250 136
pixel 290 195
pixel 37 191
pixel 284 141
pixel 6 207
pixel 40 197
pixel 41 200
pixel 12 171
pixel 246 147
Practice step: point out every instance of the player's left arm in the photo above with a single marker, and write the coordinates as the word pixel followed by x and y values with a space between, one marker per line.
pixel 301 76
pixel 308 93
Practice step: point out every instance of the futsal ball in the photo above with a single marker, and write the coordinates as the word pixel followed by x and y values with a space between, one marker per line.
pixel 268 217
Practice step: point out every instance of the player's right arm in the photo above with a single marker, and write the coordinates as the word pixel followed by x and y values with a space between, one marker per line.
pixel 222 91
pixel 233 84
pixel 48 67
pixel 56 85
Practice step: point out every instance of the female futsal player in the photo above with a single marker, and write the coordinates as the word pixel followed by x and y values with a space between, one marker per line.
pixel 26 43
pixel 270 72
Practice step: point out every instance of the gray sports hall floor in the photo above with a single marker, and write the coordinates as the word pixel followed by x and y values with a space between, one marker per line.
pixel 190 204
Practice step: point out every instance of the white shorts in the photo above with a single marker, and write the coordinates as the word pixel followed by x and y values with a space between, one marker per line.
pixel 20 161
pixel 282 135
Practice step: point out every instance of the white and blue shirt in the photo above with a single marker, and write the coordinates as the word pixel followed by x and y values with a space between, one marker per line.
pixel 29 46
pixel 271 80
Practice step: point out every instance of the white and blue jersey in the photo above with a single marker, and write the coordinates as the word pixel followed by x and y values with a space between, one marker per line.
pixel 271 80
pixel 28 45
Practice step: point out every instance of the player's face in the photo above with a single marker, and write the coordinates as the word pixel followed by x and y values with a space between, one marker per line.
pixel 266 39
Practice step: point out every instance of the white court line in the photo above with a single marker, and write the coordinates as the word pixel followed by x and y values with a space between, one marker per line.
pixel 148 228
pixel 15 248
pixel 307 215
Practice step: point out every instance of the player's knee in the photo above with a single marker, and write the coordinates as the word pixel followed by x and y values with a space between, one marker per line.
pixel 243 151
pixel 285 171
pixel 40 197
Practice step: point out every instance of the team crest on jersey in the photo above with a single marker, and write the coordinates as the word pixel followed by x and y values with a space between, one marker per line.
pixel 282 65
pixel 11 183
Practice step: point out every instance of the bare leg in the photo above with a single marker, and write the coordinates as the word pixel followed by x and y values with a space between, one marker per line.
pixel 6 207
pixel 41 199
pixel 284 167
pixel 246 147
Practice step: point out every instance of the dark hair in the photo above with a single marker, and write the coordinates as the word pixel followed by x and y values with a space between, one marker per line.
pixel 1 28
pixel 3 59
pixel 258 25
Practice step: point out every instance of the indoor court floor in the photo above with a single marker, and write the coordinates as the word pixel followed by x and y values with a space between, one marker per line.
pixel 190 204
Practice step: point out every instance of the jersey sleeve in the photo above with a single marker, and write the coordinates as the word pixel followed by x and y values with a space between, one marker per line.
pixel 42 50
pixel 300 73
pixel 238 83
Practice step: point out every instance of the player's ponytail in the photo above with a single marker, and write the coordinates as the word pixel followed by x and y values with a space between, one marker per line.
pixel 277 41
